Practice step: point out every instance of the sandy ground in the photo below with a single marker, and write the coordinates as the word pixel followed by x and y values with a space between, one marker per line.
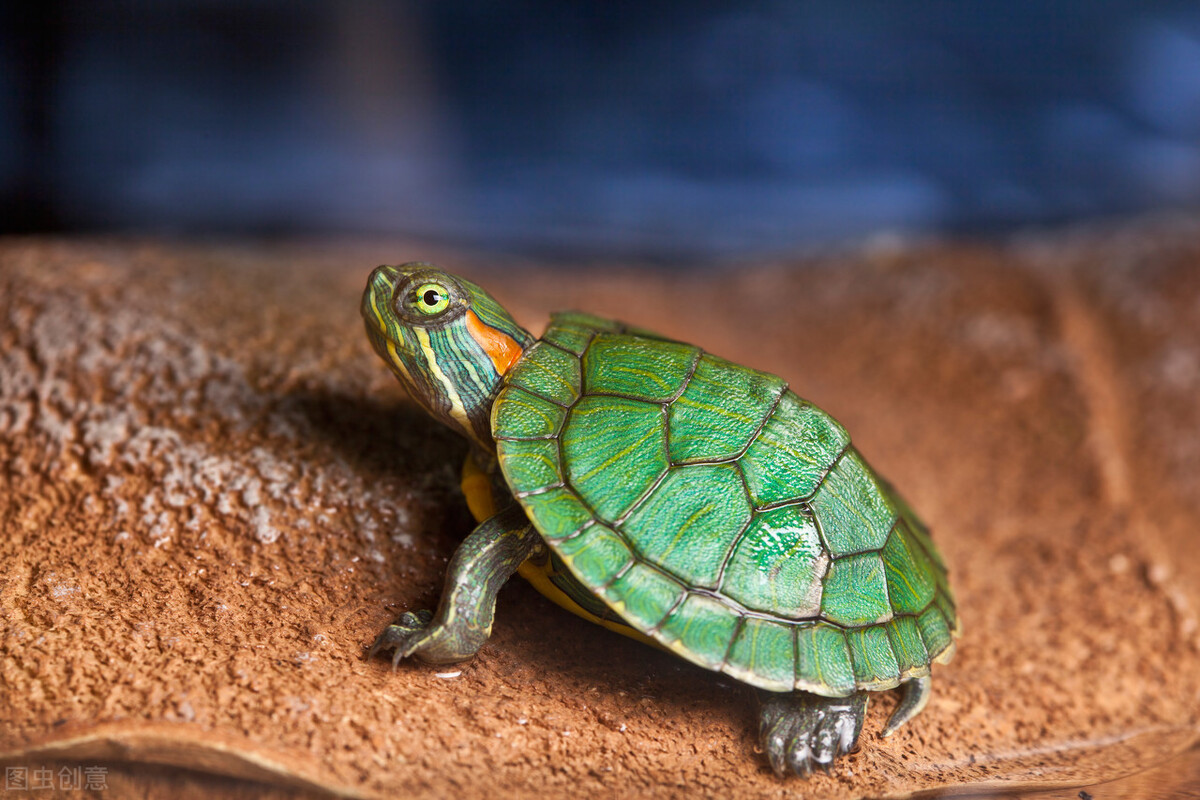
pixel 213 497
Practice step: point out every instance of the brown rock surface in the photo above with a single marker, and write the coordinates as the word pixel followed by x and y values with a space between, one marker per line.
pixel 212 498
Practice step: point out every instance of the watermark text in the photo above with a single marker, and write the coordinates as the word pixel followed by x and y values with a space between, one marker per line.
pixel 34 779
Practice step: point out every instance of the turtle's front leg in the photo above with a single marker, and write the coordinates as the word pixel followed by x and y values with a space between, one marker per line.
pixel 482 564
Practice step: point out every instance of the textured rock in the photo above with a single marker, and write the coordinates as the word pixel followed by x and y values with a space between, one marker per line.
pixel 212 498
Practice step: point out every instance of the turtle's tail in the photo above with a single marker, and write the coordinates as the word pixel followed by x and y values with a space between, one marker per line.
pixel 915 695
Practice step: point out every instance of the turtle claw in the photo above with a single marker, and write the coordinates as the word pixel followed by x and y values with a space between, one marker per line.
pixel 803 732
pixel 404 636
pixel 417 634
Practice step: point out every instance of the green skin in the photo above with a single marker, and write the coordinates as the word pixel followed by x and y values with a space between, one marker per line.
pixel 698 502
pixel 489 556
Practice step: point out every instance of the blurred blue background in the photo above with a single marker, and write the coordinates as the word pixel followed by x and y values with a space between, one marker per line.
pixel 673 131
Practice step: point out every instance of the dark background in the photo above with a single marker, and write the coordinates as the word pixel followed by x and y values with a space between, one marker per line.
pixel 682 131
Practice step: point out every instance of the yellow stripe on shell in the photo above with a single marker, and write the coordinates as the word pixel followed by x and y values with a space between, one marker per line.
pixel 477 488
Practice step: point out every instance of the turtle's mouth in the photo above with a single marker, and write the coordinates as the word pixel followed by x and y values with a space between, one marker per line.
pixel 377 295
pixel 378 341
pixel 382 330
pixel 376 313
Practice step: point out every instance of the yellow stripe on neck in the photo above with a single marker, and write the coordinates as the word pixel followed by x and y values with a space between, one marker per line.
pixel 457 411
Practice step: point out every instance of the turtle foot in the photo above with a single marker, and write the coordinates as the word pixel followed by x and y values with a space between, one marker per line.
pixel 801 732
pixel 403 637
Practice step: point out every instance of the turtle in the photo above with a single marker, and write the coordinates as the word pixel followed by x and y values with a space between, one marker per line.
pixel 672 496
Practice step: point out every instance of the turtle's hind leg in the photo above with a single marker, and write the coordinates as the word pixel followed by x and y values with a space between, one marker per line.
pixel 802 731
pixel 914 695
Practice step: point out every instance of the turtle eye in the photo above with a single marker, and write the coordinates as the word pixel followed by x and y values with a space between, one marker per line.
pixel 430 299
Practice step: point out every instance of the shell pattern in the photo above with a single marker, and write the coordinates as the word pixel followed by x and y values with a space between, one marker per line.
pixel 718 513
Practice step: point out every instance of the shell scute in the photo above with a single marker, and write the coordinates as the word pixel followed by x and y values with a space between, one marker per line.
pixel 522 415
pixel 718 513
pixel 823 662
pixel 614 452
pixel 722 408
pixel 558 512
pixel 910 575
pixel 945 603
pixel 548 372
pixel 764 651
pixel 531 463
pixel 778 564
pixel 702 628
pixel 934 630
pixel 637 368
pixel 793 452
pixel 690 521
pixel 855 514
pixel 597 552
pixel 643 595
pixel 573 331
pixel 909 647
pixel 874 661
pixel 856 591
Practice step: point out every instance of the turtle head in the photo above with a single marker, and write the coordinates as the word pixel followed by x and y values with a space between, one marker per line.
pixel 448 341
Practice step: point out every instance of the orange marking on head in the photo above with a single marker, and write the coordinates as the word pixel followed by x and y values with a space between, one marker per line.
pixel 501 348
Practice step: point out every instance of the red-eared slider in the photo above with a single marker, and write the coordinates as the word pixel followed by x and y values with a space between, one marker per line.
pixel 675 497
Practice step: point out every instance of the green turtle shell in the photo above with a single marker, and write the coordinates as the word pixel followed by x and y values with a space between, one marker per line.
pixel 718 513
